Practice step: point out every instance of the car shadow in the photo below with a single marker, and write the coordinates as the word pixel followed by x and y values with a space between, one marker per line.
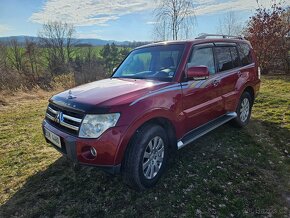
pixel 215 171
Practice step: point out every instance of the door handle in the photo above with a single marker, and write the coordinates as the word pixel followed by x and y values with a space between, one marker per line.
pixel 216 82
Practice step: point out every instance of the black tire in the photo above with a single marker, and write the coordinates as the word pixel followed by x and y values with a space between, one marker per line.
pixel 132 168
pixel 242 119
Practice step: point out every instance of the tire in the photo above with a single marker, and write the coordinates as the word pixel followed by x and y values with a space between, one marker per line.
pixel 141 170
pixel 243 110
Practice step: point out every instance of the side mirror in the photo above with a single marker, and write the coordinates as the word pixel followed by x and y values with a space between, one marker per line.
pixel 197 73
pixel 114 69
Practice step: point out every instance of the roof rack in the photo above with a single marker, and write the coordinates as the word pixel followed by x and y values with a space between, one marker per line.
pixel 204 36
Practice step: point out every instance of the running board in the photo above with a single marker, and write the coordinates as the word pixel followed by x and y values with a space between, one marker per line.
pixel 204 129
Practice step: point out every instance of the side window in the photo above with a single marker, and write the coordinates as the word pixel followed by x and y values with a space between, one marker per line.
pixel 235 57
pixel 245 54
pixel 203 56
pixel 224 58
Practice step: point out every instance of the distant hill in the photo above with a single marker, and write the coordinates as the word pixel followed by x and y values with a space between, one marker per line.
pixel 94 42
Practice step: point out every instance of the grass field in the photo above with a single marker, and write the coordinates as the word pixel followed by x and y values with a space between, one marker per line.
pixel 227 173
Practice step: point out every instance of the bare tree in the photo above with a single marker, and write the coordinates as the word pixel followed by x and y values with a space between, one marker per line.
pixel 32 54
pixel 175 16
pixel 57 38
pixel 230 24
pixel 160 31
pixel 16 55
pixel 3 56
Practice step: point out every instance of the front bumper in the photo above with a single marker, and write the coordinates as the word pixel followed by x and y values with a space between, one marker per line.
pixel 78 149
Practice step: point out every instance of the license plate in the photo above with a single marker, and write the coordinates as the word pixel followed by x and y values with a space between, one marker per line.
pixel 53 138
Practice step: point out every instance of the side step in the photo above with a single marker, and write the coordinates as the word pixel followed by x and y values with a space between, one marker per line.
pixel 202 130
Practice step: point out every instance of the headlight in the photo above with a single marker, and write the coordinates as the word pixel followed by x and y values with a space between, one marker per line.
pixel 94 125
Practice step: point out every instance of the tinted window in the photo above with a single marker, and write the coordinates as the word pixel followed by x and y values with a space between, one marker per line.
pixel 235 57
pixel 245 54
pixel 203 56
pixel 224 58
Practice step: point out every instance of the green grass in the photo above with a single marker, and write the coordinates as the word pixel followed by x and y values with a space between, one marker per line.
pixel 228 172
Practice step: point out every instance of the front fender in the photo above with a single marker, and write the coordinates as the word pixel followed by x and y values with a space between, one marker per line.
pixel 149 115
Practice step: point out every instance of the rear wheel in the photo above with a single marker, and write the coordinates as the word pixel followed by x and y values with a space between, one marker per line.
pixel 244 110
pixel 146 158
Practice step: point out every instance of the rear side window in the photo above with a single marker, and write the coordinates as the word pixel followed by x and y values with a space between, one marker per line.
pixel 235 57
pixel 245 54
pixel 224 58
pixel 203 57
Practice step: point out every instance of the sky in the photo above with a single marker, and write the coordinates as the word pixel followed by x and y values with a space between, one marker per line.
pixel 119 20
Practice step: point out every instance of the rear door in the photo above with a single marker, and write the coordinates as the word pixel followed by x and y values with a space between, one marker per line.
pixel 228 67
pixel 202 101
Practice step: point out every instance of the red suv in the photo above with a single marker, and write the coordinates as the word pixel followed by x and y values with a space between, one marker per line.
pixel 162 97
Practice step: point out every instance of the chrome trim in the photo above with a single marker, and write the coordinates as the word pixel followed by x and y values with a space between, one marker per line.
pixel 51 110
pixel 65 116
pixel 69 126
pixel 61 122
pixel 77 120
pixel 50 117
pixel 180 144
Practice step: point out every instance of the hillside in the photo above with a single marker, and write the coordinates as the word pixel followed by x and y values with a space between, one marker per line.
pixel 94 42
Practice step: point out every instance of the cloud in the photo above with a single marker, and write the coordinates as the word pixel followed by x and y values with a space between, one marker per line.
pixel 152 22
pixel 101 12
pixel 88 12
pixel 217 6
pixel 4 29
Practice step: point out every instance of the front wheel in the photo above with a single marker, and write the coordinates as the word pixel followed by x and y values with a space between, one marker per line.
pixel 244 110
pixel 146 157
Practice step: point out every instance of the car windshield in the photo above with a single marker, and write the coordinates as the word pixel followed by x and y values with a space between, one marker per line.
pixel 156 62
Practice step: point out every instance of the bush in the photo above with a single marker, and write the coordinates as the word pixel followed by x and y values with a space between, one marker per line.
pixel 267 31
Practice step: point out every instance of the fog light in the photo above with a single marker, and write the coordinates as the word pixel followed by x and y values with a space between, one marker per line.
pixel 93 151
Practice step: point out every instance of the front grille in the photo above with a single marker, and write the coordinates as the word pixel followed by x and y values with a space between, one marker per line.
pixel 64 119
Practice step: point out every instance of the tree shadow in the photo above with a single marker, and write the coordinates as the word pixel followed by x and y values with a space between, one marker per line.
pixel 222 174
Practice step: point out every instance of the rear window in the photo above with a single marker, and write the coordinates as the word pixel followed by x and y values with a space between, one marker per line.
pixel 245 54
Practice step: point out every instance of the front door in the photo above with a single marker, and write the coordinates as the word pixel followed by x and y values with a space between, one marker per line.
pixel 202 99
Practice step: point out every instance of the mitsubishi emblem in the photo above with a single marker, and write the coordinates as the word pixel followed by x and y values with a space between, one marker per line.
pixel 59 117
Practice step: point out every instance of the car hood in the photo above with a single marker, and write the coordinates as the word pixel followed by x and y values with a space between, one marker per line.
pixel 105 93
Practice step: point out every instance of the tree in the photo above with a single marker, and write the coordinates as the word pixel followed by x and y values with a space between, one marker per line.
pixel 57 38
pixel 88 67
pixel 230 24
pixel 106 55
pixel 32 54
pixel 3 57
pixel 176 16
pixel 267 31
pixel 16 56
pixel 123 53
pixel 115 58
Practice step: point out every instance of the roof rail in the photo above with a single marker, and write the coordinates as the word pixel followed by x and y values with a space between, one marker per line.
pixel 204 36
